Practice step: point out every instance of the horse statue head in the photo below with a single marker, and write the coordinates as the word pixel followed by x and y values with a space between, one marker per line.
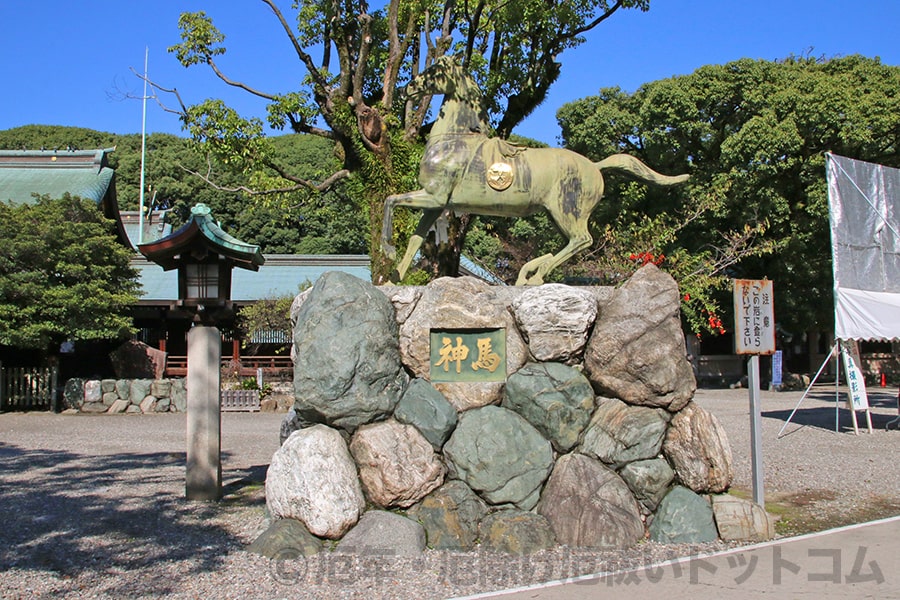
pixel 445 76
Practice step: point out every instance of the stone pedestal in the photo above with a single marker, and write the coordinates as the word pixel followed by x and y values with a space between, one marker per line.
pixel 204 425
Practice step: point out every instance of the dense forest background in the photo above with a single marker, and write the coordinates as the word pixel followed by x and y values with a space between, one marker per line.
pixel 301 222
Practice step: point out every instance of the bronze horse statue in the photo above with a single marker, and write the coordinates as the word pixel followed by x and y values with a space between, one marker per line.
pixel 466 171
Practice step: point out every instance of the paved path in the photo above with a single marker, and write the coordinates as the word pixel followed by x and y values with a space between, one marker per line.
pixel 860 561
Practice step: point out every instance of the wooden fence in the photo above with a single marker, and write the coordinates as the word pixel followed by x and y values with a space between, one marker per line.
pixel 238 400
pixel 281 367
pixel 28 388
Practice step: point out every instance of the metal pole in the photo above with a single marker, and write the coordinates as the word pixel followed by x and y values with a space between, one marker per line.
pixel 837 383
pixel 756 431
pixel 805 393
pixel 143 151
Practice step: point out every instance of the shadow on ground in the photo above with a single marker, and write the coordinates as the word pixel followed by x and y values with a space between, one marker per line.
pixel 818 410
pixel 63 510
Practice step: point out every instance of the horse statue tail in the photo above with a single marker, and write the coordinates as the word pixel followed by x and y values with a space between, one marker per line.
pixel 631 165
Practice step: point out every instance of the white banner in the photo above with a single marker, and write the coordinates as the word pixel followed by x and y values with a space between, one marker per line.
pixel 864 214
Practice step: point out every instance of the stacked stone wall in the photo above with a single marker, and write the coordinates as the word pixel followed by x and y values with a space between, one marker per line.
pixel 114 396
pixel 591 440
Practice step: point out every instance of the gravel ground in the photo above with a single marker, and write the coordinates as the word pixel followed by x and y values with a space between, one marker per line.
pixel 92 507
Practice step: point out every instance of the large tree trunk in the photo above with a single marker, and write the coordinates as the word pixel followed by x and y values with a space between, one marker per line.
pixel 442 259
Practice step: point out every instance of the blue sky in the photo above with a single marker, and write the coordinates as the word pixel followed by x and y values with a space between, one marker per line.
pixel 66 63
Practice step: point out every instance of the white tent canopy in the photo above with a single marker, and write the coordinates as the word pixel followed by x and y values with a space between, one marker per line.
pixel 864 203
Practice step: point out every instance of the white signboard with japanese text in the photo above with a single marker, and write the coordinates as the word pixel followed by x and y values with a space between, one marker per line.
pixel 856 385
pixel 754 317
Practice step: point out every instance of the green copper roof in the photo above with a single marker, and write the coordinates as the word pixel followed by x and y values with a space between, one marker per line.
pixel 24 173
pixel 281 275
pixel 202 233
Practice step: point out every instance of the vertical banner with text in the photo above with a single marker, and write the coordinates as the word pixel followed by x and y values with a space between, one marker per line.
pixel 754 317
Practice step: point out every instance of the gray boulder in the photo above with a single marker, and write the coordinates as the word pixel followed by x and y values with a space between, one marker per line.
pixel 397 465
pixel 347 368
pixel 161 388
pixel 683 517
pixel 289 424
pixel 73 393
pixel 500 455
pixel 451 303
pixel 148 404
pixel 514 531
pixel 427 410
pixel 286 538
pixel 588 505
pixel 649 480
pixel 636 352
pixel 312 478
pixel 92 391
pixel 698 449
pixel 179 395
pixel 123 389
pixel 620 433
pixel 404 298
pixel 94 407
pixel 118 406
pixel 140 389
pixel 382 533
pixel 556 399
pixel 450 515
pixel 555 320
pixel 739 520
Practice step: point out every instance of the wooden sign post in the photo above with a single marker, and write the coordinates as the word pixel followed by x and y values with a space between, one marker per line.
pixel 754 334
pixel 857 398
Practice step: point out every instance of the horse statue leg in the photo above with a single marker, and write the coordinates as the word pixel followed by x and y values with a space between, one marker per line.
pixel 533 272
pixel 432 208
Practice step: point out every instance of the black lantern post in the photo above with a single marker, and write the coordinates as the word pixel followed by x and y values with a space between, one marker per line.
pixel 204 256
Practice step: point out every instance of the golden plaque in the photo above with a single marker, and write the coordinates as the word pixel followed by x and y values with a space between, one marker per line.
pixel 500 176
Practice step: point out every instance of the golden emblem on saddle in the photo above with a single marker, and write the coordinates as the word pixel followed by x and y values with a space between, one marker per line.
pixel 500 176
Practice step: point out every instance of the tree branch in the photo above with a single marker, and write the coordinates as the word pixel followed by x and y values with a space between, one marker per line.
pixel 585 28
pixel 155 86
pixel 301 184
pixel 236 84
pixel 305 58
pixel 365 46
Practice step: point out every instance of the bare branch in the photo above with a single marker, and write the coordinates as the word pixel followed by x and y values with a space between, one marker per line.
pixel 304 127
pixel 396 50
pixel 236 84
pixel 304 57
pixel 155 86
pixel 578 31
pixel 365 46
pixel 301 184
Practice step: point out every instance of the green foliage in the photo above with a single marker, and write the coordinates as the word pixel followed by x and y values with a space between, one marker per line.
pixel 34 137
pixel 753 135
pixel 200 39
pixel 353 95
pixel 251 384
pixel 267 314
pixel 63 275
